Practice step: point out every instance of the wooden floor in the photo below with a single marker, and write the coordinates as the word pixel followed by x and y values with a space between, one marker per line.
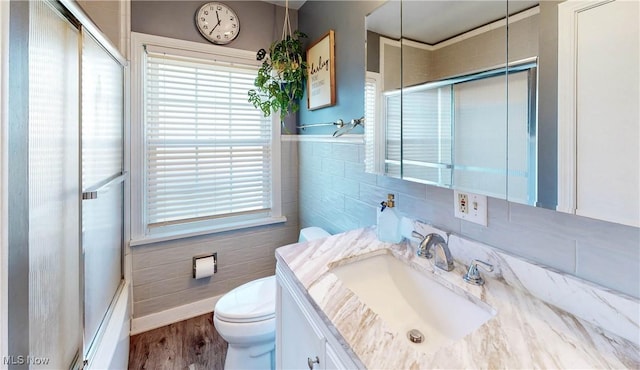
pixel 192 344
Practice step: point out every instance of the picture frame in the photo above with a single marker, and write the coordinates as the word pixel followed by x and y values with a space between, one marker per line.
pixel 321 79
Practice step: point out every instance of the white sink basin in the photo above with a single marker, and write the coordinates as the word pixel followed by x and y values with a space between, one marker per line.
pixel 406 299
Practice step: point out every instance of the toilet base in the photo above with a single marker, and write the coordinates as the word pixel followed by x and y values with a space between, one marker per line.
pixel 251 345
pixel 250 358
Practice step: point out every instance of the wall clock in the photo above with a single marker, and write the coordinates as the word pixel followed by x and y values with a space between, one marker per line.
pixel 218 23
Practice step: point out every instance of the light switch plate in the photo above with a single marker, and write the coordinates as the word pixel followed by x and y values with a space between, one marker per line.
pixel 470 207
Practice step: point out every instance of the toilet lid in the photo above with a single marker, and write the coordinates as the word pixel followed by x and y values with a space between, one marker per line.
pixel 253 301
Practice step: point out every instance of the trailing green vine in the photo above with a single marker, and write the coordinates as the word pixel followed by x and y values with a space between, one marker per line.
pixel 280 80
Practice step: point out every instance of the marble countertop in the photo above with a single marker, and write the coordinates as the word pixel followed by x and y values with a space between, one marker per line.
pixel 544 319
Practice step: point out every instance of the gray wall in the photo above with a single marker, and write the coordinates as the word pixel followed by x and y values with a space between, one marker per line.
pixel 346 18
pixel 260 22
pixel 162 271
pixel 373 51
pixel 336 194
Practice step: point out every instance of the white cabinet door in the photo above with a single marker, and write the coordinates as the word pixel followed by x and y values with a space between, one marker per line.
pixel 332 360
pixel 303 339
pixel 301 342
pixel 599 117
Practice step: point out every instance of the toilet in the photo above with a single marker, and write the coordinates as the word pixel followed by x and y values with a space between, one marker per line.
pixel 246 318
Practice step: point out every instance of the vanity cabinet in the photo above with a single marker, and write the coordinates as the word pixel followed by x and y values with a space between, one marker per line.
pixel 303 341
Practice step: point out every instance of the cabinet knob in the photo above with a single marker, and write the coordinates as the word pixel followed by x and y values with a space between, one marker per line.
pixel 310 362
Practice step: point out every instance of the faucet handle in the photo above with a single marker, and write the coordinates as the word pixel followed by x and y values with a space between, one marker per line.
pixel 422 251
pixel 473 275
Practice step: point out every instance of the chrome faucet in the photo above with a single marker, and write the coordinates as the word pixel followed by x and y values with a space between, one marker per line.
pixel 443 259
pixel 473 275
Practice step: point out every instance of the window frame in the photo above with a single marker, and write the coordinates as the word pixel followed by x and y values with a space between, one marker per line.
pixel 140 232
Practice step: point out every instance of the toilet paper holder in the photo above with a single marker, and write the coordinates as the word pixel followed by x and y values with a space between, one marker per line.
pixel 195 258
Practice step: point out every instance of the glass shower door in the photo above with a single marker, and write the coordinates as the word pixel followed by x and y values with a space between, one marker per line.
pixel 54 327
pixel 102 183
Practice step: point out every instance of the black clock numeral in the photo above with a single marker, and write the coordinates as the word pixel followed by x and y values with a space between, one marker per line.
pixel 211 7
pixel 203 19
pixel 218 36
pixel 219 7
pixel 234 25
pixel 231 18
pixel 206 12
pixel 205 27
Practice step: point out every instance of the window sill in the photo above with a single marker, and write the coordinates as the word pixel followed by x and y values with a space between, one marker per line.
pixel 161 237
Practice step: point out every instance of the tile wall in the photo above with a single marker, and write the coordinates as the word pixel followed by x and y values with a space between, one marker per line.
pixel 336 194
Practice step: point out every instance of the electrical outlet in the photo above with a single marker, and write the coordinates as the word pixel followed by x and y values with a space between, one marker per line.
pixel 463 203
pixel 470 207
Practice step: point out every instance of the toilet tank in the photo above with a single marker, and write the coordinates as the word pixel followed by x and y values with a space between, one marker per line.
pixel 312 233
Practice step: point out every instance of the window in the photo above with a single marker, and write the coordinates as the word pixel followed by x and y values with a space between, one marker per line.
pixel 371 115
pixel 210 160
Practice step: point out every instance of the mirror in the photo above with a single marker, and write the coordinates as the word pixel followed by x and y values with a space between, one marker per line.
pixel 383 74
pixel 437 77
pixel 451 104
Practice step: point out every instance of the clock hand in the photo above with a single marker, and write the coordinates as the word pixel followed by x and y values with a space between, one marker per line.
pixel 214 27
pixel 217 24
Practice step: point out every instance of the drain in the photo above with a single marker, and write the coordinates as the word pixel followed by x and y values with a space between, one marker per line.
pixel 415 336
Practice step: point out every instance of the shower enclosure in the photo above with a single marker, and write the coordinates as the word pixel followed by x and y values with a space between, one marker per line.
pixel 66 185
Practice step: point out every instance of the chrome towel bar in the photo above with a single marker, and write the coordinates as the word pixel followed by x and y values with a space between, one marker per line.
pixel 343 127
pixel 92 192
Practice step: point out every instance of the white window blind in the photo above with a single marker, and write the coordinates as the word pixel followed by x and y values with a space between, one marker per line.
pixel 393 134
pixel 208 150
pixel 371 117
pixel 426 135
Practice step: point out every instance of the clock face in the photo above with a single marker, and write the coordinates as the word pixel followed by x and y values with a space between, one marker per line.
pixel 218 23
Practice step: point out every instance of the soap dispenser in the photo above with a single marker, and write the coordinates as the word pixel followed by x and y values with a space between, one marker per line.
pixel 389 222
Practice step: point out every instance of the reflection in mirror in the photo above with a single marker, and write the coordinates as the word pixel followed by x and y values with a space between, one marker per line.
pixel 427 133
pixel 383 74
pixel 443 121
pixel 534 34
pixel 521 131
pixel 523 92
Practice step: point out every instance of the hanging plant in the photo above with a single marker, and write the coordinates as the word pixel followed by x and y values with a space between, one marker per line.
pixel 280 81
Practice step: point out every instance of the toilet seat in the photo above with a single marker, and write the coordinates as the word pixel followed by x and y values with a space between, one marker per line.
pixel 251 302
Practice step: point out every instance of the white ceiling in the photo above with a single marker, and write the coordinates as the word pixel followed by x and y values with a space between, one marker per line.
pixel 432 22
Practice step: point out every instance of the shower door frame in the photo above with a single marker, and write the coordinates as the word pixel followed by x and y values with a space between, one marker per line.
pixel 14 255
pixel 86 25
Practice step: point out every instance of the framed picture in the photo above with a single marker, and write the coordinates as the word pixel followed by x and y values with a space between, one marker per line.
pixel 321 67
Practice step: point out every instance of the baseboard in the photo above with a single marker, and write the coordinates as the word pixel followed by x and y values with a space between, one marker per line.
pixel 173 315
